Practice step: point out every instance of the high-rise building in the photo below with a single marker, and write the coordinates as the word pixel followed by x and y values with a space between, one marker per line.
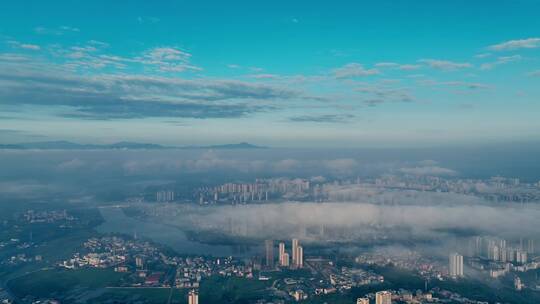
pixel 517 284
pixel 503 255
pixel 294 250
pixel 165 196
pixel 269 248
pixel 285 260
pixel 510 254
pixel 521 256
pixel 362 301
pixel 299 295
pixel 495 253
pixel 455 265
pixel 281 253
pixel 299 257
pixel 383 297
pixel 139 262
pixel 281 248
pixel 193 297
pixel 530 246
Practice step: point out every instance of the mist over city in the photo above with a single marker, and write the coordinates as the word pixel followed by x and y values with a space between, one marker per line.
pixel 223 152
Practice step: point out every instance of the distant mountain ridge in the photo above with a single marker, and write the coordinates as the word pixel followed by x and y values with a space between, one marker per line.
pixel 124 145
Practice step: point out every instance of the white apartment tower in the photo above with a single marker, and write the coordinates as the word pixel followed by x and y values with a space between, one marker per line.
pixel 383 297
pixel 294 247
pixel 193 297
pixel 455 265
pixel 299 257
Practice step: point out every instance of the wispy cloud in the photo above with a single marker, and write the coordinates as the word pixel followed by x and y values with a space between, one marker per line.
pixel 26 46
pixel 135 96
pixel 378 94
pixel 482 55
pixel 500 61
pixel 264 76
pixel 92 55
pixel 352 70
pixel 445 65
pixel 57 31
pixel 325 118
pixel 462 84
pixel 393 65
pixel 168 59
pixel 534 73
pixel 529 43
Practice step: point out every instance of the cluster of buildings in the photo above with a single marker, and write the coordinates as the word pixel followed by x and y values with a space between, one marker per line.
pixel 19 257
pixel 33 216
pixel 348 278
pixel 410 260
pixel 148 266
pixel 386 297
pixel 498 258
pixel 435 295
pixel 190 272
pixel 260 190
pixel 165 196
pixel 496 249
pixel 324 277
pixel 143 260
pixel 294 260
pixel 497 188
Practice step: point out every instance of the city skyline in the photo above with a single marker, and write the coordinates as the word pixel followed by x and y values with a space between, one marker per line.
pixel 382 74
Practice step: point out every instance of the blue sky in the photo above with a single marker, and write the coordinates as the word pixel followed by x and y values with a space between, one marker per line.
pixel 303 74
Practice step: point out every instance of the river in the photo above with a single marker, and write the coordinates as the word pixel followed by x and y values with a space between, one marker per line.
pixel 115 221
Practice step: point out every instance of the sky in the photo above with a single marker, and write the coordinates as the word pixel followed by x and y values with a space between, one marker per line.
pixel 273 73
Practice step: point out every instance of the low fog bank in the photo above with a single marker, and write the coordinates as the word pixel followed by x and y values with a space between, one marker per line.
pixel 350 221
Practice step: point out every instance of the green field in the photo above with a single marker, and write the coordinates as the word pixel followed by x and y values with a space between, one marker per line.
pixel 141 295
pixel 58 283
pixel 232 290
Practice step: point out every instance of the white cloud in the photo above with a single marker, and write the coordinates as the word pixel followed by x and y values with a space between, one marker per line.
pixel 387 65
pixel 393 65
pixel 534 73
pixel 529 43
pixel 354 70
pixel 445 65
pixel 168 59
pixel 409 67
pixel 468 85
pixel 264 76
pixel 483 55
pixel 428 170
pixel 500 61
pixel 30 46
pixel 55 31
pixel 26 46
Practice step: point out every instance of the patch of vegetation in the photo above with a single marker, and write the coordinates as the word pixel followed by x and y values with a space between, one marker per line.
pixel 221 290
pixel 58 283
pixel 142 295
